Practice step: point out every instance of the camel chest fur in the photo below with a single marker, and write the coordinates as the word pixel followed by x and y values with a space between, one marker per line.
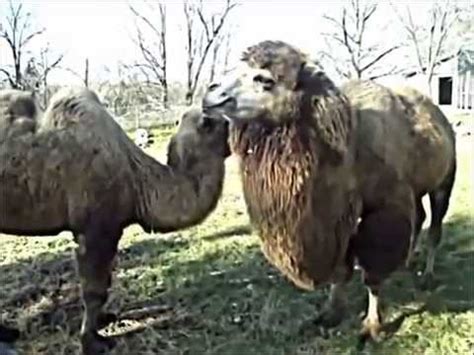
pixel 302 236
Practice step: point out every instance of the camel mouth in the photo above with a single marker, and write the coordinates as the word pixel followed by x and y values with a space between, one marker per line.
pixel 218 107
pixel 218 113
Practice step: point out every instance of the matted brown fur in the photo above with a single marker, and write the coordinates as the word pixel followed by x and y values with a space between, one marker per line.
pixel 316 158
pixel 279 169
pixel 79 171
pixel 284 170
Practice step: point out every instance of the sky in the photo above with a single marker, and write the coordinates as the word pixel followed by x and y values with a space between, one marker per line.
pixel 102 30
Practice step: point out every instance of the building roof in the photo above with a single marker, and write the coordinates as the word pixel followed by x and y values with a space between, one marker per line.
pixel 465 52
pixel 442 60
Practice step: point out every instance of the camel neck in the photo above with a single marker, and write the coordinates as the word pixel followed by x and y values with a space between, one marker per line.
pixel 170 199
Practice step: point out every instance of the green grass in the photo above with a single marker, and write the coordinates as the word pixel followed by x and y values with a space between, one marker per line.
pixel 216 294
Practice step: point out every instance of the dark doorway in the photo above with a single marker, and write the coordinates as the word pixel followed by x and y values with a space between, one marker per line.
pixel 445 90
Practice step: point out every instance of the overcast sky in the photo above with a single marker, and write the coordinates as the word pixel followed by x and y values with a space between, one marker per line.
pixel 102 30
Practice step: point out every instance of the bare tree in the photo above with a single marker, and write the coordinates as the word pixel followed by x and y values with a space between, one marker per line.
pixel 151 41
pixel 202 30
pixel 220 54
pixel 17 33
pixel 84 76
pixel 27 72
pixel 215 58
pixel 43 67
pixel 86 73
pixel 348 47
pixel 428 40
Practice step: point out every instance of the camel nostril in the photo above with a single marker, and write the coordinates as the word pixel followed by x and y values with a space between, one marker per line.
pixel 213 86
pixel 223 95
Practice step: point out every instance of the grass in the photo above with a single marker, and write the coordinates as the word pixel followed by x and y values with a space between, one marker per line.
pixel 208 290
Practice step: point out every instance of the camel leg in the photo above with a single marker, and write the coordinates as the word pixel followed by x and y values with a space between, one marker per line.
pixel 439 201
pixel 95 255
pixel 372 322
pixel 381 246
pixel 439 205
pixel 334 310
pixel 419 220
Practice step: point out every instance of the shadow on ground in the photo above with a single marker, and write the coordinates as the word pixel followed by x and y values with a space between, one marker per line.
pixel 226 299
pixel 234 231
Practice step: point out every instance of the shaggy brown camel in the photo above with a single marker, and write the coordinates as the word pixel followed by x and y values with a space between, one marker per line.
pixel 316 159
pixel 78 171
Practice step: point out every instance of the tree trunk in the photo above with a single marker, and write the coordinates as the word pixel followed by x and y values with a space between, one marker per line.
pixel 45 93
pixel 86 74
pixel 428 82
pixel 189 97
pixel 165 95
pixel 18 77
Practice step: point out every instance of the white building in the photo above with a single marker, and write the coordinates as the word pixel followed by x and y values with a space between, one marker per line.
pixel 452 85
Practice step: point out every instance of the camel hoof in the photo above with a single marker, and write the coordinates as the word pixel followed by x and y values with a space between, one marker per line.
pixel 95 344
pixel 105 319
pixel 371 330
pixel 330 317
pixel 8 334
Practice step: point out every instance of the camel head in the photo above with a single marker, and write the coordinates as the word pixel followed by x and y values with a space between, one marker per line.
pixel 265 86
pixel 18 113
pixel 278 84
pixel 199 137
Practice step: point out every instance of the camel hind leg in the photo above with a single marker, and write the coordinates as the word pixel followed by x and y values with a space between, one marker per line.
pixel 419 220
pixel 439 201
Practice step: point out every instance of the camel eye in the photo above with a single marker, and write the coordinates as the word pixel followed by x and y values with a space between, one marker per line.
pixel 266 82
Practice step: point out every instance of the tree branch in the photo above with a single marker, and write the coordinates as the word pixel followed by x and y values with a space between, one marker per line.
pixel 9 77
pixel 347 44
pixel 199 42
pixel 379 57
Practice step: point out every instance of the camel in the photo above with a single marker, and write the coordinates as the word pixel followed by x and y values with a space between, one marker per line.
pixel 333 176
pixel 77 170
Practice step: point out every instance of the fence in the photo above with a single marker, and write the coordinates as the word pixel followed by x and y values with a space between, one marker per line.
pixel 142 117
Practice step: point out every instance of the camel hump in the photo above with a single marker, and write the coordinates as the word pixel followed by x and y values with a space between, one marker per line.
pixel 17 104
pixel 71 105
pixel 18 113
pixel 409 91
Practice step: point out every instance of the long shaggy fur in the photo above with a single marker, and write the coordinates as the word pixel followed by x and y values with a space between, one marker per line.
pixel 279 168
pixel 308 177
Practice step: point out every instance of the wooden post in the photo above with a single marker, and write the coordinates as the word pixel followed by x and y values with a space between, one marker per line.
pixel 466 89
pixel 455 91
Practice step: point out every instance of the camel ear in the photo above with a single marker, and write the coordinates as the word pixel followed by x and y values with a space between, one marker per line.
pixel 332 118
